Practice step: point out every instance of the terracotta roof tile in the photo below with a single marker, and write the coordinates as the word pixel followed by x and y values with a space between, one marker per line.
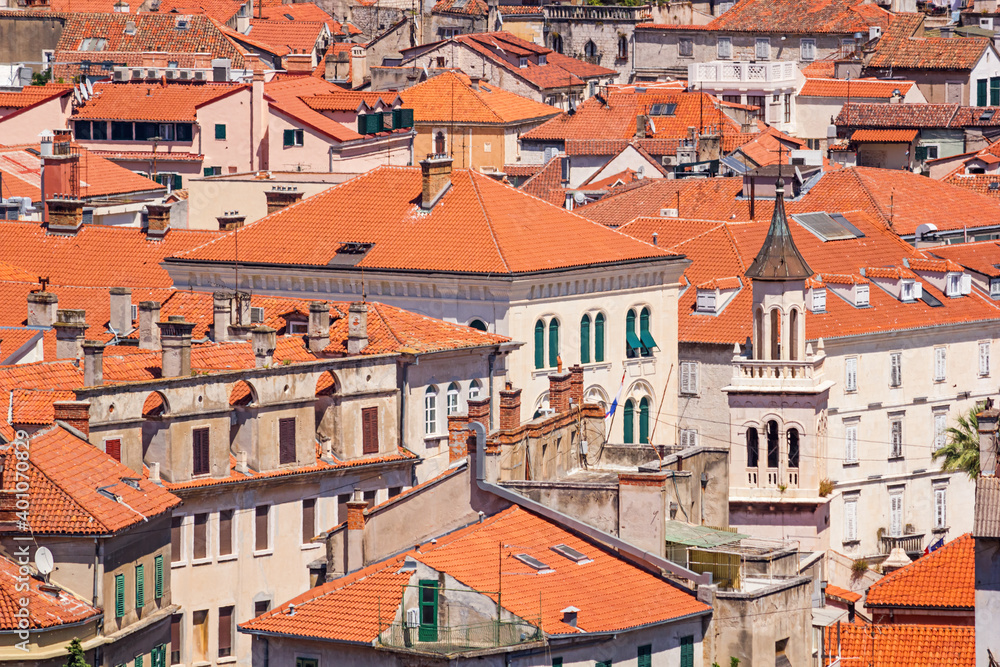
pixel 450 98
pixel 174 102
pixel 982 257
pixel 855 88
pixel 842 593
pixel 896 116
pixel 902 645
pixel 286 96
pixel 801 17
pixel 898 48
pixel 29 96
pixel 220 10
pixel 348 100
pixel 285 36
pixel 885 136
pixel 984 184
pixel 33 407
pixel 306 11
pixel 46 608
pixel 934 265
pixel 942 579
pixel 468 7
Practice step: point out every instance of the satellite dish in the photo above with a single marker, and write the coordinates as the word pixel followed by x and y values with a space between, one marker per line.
pixel 579 198
pixel 90 88
pixel 76 94
pixel 44 561
pixel 641 172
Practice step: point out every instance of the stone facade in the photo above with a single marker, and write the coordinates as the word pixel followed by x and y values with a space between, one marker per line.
pixel 602 35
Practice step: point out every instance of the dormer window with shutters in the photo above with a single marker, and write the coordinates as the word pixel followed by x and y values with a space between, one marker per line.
pixel 714 295
pixel 861 295
pixel 706 301
pixel 959 284
pixel 907 290
pixel 819 300
pixel 945 275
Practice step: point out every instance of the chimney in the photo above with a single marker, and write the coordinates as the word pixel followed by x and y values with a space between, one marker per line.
pixel 357 327
pixel 570 615
pixel 298 63
pixel 121 310
pixel 576 385
pixel 59 165
pixel 318 329
pixel 42 308
pixel 989 462
pixel 70 327
pixel 479 411
pixel 230 220
pixel 157 220
pixel 355 535
pixel 74 413
pixel 93 363
pixel 221 316
pixel 510 408
pixel 640 126
pixel 65 215
pixel 897 97
pixel 281 196
pixel 149 332
pixel 436 179
pixel 493 21
pixel 559 385
pixel 175 342
pixel 458 437
pixel 474 82
pixel 642 505
pixel 263 341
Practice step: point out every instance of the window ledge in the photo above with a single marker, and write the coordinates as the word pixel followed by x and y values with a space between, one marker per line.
pixel 943 529
pixel 227 557
pixel 263 552
pixel 201 663
pixel 851 543
pixel 229 659
pixel 309 547
pixel 180 563
pixel 852 464
pixel 690 394
pixel 434 437
pixel 896 459
pixel 201 561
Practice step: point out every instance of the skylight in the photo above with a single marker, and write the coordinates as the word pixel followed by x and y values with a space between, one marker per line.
pixel 662 110
pixel 532 562
pixel 828 226
pixel 571 553
pixel 987 115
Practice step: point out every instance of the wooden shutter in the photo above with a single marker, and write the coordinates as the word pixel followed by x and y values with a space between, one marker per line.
pixel 984 359
pixel 685 377
pixel 554 342
pixel 140 586
pixel 113 448
pixel 940 515
pixel 585 340
pixel 308 519
pixel 981 100
pixel 896 439
pixel 119 595
pixel 850 520
pixel 852 374
pixel 851 444
pixel 200 536
pixel 369 430
pixel 896 514
pixel 895 375
pixel 225 632
pixel 646 656
pixel 687 651
pixel 158 577
pixel 628 422
pixel 289 137
pixel 994 91
pixel 261 541
pixel 225 532
pixel 286 440
pixel 176 545
pixel 199 453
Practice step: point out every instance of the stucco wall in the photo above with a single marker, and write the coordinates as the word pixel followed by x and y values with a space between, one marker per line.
pixel 987 598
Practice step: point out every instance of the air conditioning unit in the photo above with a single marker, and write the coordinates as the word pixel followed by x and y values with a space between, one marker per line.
pixel 137 73
pixel 412 618
pixel 173 74
pixel 986 23
pixel 667 160
pixel 185 74
pixel 256 315
pixel 152 73
pixel 121 74
pixel 200 75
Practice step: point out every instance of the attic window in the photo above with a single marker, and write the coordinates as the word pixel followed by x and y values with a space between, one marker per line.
pixel 541 59
pixel 987 115
pixel 828 226
pixel 289 17
pixel 93 44
pixel 533 563
pixel 959 284
pixel 995 288
pixel 706 302
pixel 354 248
pixel 907 291
pixel 571 553
pixel 662 110
pixel 298 328
pixel 524 62
pixel 819 300
pixel 182 23
pixel 862 299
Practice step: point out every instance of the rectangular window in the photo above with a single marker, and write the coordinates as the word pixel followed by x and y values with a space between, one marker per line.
pixel 995 288
pixel 851 443
pixel 140 586
pixel 158 577
pixel 119 595
pixel 851 519
pixel 261 607
pixel 724 48
pixel 940 364
pixel 369 430
pixel 121 131
pixel 788 107
pixel 293 137
pixel 940 430
pixel 984 359
pixel 82 129
pixel 225 632
pixel 113 448
pixel 895 513
pixel 645 655
pixel 175 638
pixel 807 49
pixel 819 300
pixel 176 543
pixel 851 374
pixel 689 437
pixel 199 454
pixel 522 62
pixel 896 438
pixel 308 520
pixel 220 131
pixel 261 527
pixel 225 532
pixel 981 100
pixel 306 662
pixel 166 132
pixel 994 91
pixel 199 621
pixel 954 284
pixel 689 377
pixel 907 287
pixel 756 101
pixel 200 545
pixel 763 48
pixel 687 651
pixel 158 656
pixel 212 171
pixel 932 152
pixel 286 440
pixel 685 46
pixel 940 508
pixel 895 369
pixel 184 131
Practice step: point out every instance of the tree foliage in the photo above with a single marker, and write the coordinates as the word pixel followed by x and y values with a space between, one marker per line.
pixel 77 656
pixel 961 451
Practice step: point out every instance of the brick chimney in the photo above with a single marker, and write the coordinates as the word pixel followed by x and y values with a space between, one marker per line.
pixel 121 310
pixel 435 178
pixel 65 215
pixel 357 327
pixel 157 220
pixel 479 411
pixel 510 408
pixel 264 341
pixel 93 363
pixel 318 329
pixel 559 388
pixel 70 327
pixel 231 220
pixel 221 316
pixel 42 308
pixel 355 534
pixel 74 413
pixel 298 63
pixel 149 332
pixel 642 506
pixel 59 162
pixel 576 385
pixel 458 437
pixel 175 342
pixel 281 196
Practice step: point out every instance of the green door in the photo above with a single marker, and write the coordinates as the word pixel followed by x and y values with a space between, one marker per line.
pixel 628 421
pixel 644 421
pixel 428 611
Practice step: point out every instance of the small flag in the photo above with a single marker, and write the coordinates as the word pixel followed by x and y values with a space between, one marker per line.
pixel 614 404
pixel 934 546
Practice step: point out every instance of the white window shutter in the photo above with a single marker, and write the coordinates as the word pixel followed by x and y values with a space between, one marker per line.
pixel 851 444
pixel 693 377
pixel 984 358
pixel 940 508
pixel 852 373
pixel 896 514
pixel 918 290
pixel 940 428
pixel 966 283
pixel 939 363
pixel 850 520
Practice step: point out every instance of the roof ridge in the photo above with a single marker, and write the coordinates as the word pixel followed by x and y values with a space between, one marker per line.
pixel 917 566
pixel 378 311
pixel 486 216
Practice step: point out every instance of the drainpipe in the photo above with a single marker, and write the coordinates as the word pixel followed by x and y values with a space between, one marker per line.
pixel 491 360
pixel 97 562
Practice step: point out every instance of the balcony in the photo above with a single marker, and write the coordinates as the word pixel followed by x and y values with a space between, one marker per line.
pixel 729 75
pixel 597 13
pixel 765 376
pixel 449 639
pixel 912 544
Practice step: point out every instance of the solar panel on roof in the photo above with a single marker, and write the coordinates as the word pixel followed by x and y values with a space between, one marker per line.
pixel 828 227
pixel 569 552
pixel 662 109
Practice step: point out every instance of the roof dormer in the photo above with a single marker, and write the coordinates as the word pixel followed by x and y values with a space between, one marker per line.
pixel 853 289
pixel 715 295
pixel 944 274
pixel 898 281
pixel 816 295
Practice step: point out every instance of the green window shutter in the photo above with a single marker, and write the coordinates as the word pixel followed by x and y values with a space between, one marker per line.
pixel 362 123
pixel 585 340
pixel 138 661
pixel 646 656
pixel 632 344
pixel 407 115
pixel 119 595
pixel 687 651
pixel 603 663
pixel 995 91
pixel 155 658
pixel 599 337
pixel 539 344
pixel 177 182
pixel 645 338
pixel 140 586
pixel 629 421
pixel 921 153
pixel 981 92
pixel 644 421
pixel 158 577
pixel 208 171
pixel 289 137
pixel 220 131
pixel 557 662
pixel 428 629
pixel 554 343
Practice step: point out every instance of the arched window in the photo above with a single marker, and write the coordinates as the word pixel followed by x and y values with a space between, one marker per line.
pixel 772 444
pixel 452 398
pixel 430 411
pixel 439 147
pixel 590 49
pixel 753 448
pixel 623 48
pixel 628 421
pixel 644 420
pixel 775 334
pixel 758 334
pixel 645 337
pixel 478 324
pixel 599 337
pixel 793 448
pixel 633 346
pixel 554 342
pixel 557 44
pixel 585 339
pixel 474 390
pixel 539 344
pixel 793 334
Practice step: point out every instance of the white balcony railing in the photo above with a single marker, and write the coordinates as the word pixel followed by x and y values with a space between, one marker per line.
pixel 721 74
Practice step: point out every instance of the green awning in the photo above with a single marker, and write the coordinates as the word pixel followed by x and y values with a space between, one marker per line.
pixel 633 341
pixel 647 340
pixel 705 537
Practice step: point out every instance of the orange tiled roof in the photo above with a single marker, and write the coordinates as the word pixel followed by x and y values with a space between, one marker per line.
pixel 220 10
pixel 935 265
pixel 348 100
pixel 942 579
pixel 842 593
pixel 731 282
pixel 285 36
pixel 885 136
pixel 984 184
pixel 843 279
pixel 287 96
pixel 153 101
pixel 855 88
pixel 471 7
pixel 29 96
pixel 64 476
pixel 33 407
pixel 347 609
pixel 982 257
pixel 478 226
pixel 46 609
pixel 805 17
pixel 896 116
pixel 894 272
pixel 901 645
pixel 450 98
pixel 306 11
pixel 898 48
